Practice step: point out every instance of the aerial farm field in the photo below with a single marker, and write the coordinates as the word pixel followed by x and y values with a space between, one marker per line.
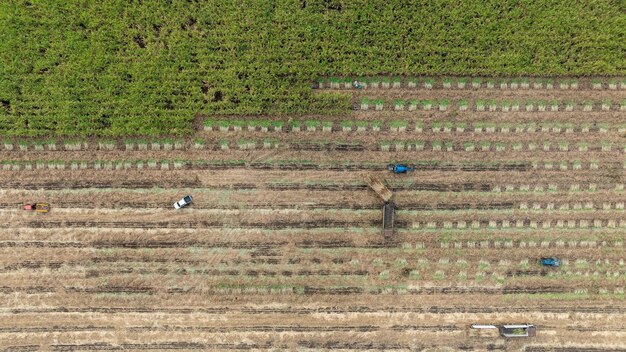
pixel 282 247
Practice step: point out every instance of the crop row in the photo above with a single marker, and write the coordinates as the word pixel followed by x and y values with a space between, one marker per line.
pixel 572 205
pixel 53 145
pixel 400 125
pixel 264 287
pixel 470 83
pixel 397 125
pixel 487 262
pixel 330 310
pixel 500 276
pixel 465 187
pixel 525 243
pixel 407 290
pixel 519 223
pixel 419 145
pixel 523 221
pixel 333 267
pixel 125 164
pixel 438 145
pixel 489 105
pixel 478 274
pixel 416 145
pixel 418 126
pixel 493 187
pixel 465 256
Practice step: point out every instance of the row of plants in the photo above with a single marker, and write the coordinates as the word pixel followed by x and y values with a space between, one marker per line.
pixel 309 125
pixel 292 163
pixel 397 145
pixel 471 83
pixel 15 165
pixel 435 145
pixel 397 125
pixel 395 290
pixel 527 243
pixel 519 223
pixel 69 145
pixel 573 206
pixel 490 105
pixel 553 187
pixel 418 126
pixel 519 189
pixel 486 264
pixel 549 145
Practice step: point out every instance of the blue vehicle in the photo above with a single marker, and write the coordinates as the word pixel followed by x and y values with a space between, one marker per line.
pixel 550 261
pixel 400 168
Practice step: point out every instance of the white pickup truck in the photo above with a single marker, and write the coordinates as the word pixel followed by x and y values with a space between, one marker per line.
pixel 183 202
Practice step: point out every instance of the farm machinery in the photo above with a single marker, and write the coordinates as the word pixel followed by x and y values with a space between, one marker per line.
pixel 550 261
pixel 37 207
pixel 357 85
pixel 389 207
pixel 400 168
pixel 507 330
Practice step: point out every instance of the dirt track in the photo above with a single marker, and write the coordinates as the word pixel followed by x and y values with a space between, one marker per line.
pixel 283 248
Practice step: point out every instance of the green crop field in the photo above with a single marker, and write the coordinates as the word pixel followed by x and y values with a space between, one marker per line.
pixel 118 68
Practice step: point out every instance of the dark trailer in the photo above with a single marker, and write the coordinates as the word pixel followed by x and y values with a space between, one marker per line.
pixel 389 212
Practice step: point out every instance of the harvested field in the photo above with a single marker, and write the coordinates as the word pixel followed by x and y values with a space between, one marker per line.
pixel 282 247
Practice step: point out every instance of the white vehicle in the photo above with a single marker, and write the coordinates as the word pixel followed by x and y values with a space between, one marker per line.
pixel 183 202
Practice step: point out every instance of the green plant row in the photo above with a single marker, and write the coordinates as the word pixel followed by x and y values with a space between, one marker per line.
pixel 419 126
pixel 295 163
pixel 492 105
pixel 417 145
pixel 399 125
pixel 548 145
pixel 471 82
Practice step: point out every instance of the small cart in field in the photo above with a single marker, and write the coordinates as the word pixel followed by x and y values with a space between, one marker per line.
pixel 477 330
pixel 507 331
pixel 389 210
pixel 38 207
pixel 521 330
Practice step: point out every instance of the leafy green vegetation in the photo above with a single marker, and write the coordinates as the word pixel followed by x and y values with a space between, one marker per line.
pixel 76 68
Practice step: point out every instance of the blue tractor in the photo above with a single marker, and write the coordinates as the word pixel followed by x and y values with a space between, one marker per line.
pixel 550 261
pixel 399 168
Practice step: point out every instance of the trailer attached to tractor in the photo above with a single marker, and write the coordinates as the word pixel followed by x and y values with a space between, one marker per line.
pixel 389 210
pixel 38 207
pixel 389 207
pixel 508 330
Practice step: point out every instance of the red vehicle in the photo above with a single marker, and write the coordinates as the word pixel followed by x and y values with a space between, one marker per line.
pixel 38 207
